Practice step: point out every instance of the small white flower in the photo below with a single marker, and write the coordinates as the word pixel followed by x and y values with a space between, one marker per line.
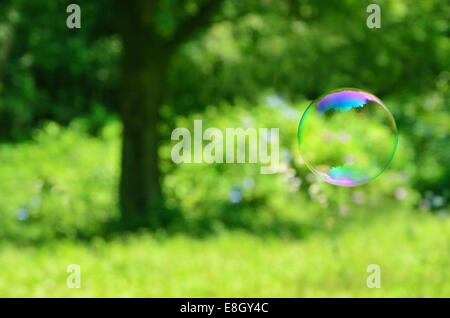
pixel 400 193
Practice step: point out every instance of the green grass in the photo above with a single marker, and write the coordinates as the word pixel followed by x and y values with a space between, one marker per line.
pixel 412 250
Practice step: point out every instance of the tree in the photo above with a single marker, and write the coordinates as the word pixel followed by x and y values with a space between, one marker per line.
pixel 147 53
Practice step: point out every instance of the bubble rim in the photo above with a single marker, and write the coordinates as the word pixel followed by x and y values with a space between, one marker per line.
pixel 323 176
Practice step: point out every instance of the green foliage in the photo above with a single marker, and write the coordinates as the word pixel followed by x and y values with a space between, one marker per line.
pixel 290 202
pixel 296 48
pixel 63 183
pixel 305 48
pixel 49 72
pixel 425 121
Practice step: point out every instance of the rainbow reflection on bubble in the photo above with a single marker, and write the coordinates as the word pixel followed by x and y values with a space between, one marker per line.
pixel 347 137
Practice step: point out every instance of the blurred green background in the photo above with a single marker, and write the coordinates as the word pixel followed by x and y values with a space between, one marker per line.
pixel 220 230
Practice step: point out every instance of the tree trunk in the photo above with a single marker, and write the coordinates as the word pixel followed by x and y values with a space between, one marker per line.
pixel 146 57
pixel 140 190
pixel 144 69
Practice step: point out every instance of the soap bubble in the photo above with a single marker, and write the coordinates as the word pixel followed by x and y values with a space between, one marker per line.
pixel 347 137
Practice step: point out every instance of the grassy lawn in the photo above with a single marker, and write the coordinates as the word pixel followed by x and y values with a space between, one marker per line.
pixel 412 250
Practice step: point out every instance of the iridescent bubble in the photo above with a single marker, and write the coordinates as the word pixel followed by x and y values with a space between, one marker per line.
pixel 347 137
